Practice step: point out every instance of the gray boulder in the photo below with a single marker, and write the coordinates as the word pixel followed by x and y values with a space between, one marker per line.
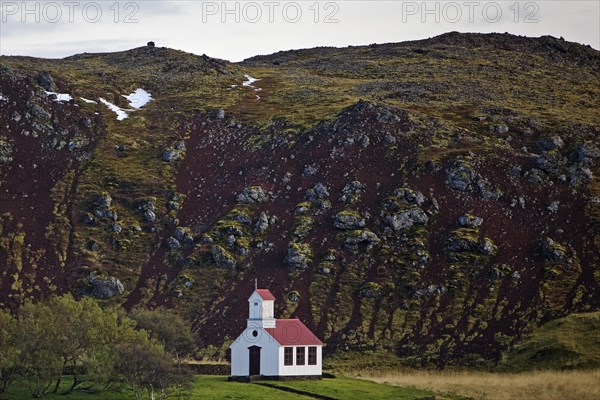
pixel 222 257
pixel 553 251
pixel 352 190
pixel 550 143
pixel 252 195
pixel 262 223
pixel 173 243
pixel 470 221
pixel 38 112
pixel 298 255
pixel 407 218
pixel 105 288
pixel 348 220
pixel 409 196
pixel 46 81
pixel 461 176
pixel 184 235
pixel 150 216
pixel 360 237
pixel 6 151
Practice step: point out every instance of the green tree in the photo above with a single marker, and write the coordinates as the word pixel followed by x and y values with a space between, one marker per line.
pixel 39 360
pixel 87 329
pixel 9 351
pixel 146 368
pixel 168 328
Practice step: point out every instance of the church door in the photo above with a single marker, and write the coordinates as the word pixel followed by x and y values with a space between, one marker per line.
pixel 254 360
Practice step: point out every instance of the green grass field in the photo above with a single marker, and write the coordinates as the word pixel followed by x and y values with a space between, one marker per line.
pixel 217 387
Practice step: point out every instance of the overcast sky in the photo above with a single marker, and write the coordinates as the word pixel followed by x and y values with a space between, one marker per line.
pixel 237 30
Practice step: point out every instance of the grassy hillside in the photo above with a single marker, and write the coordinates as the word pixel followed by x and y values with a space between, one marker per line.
pixel 433 199
pixel 572 342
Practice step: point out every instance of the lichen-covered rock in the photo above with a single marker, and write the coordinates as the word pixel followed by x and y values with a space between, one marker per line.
pixel 464 245
pixel 299 255
pixel 580 175
pixel 222 257
pixel 500 129
pixel 348 220
pixel 149 216
pixel 262 223
pixel 535 176
pixel 294 296
pixel 302 208
pixel 470 221
pixel 38 112
pixel 461 176
pixel 371 290
pixel 6 151
pixel 352 191
pixel 409 196
pixel 104 207
pixel 550 162
pixel 361 236
pixel 553 251
pixel 318 192
pixel 550 143
pixel 175 152
pixel 116 228
pixel 105 288
pixel 252 195
pixel 172 243
pixel 302 226
pixel 584 153
pixel 184 235
pixel 407 218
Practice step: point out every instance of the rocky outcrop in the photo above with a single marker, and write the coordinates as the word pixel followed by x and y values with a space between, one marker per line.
pixel 175 152
pixel 105 288
pixel 465 245
pixel 553 251
pixel 470 221
pixel 407 218
pixel 46 81
pixel 6 151
pixel 252 195
pixel 352 191
pixel 463 177
pixel 550 143
pixel 299 255
pixel 358 237
pixel 348 220
pixel 222 257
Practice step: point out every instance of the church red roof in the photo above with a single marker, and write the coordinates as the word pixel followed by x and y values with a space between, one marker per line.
pixel 292 332
pixel 265 294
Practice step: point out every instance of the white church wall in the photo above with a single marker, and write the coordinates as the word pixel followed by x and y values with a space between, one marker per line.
pixel 300 370
pixel 240 355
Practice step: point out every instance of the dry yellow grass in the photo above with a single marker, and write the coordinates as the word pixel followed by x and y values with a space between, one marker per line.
pixel 539 385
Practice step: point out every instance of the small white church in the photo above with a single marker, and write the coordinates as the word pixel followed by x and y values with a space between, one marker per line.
pixel 272 348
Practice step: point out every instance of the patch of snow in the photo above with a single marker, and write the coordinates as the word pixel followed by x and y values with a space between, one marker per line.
pixel 60 97
pixel 89 101
pixel 249 81
pixel 139 98
pixel 121 113
pixel 3 98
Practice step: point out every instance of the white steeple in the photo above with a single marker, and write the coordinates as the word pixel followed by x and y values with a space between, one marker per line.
pixel 261 305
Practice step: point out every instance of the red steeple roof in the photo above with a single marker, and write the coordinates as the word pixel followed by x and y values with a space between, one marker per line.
pixel 292 332
pixel 265 294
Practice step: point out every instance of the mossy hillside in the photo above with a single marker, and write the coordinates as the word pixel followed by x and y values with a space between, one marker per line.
pixel 431 310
